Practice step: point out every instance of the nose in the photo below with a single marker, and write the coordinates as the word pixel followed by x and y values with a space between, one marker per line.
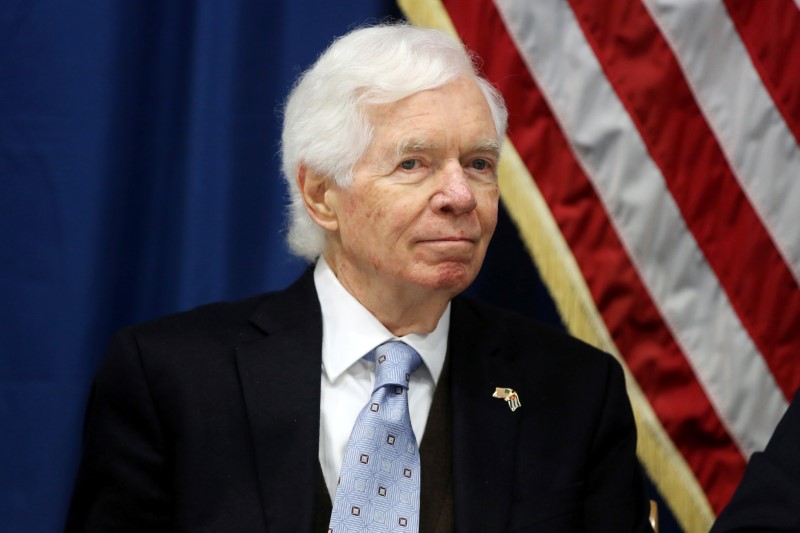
pixel 454 194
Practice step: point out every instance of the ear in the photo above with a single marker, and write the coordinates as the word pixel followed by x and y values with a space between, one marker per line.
pixel 315 189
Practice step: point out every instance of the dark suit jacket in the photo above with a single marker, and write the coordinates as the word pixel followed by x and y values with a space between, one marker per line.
pixel 209 421
pixel 768 498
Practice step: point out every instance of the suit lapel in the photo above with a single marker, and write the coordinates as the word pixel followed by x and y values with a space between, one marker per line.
pixel 484 428
pixel 280 375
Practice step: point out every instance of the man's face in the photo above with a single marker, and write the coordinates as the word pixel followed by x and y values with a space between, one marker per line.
pixel 422 205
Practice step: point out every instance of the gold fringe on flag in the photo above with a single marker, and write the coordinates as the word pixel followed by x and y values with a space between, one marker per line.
pixel 560 272
pixel 562 276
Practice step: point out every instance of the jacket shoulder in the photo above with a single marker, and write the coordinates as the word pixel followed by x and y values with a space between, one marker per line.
pixel 521 330
pixel 217 319
pixel 233 322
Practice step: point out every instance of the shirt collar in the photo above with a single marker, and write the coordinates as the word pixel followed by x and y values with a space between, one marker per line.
pixel 350 331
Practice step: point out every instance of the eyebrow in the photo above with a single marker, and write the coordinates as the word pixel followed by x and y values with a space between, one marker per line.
pixel 413 145
pixel 417 145
pixel 488 145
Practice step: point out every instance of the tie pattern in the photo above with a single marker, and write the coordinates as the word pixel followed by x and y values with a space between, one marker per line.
pixel 379 484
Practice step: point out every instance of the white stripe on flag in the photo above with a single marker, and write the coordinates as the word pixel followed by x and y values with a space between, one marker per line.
pixel 756 141
pixel 611 151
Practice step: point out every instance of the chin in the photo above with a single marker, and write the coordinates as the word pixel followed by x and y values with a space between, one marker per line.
pixel 453 277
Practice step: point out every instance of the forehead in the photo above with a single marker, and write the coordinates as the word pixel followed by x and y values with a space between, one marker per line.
pixel 457 110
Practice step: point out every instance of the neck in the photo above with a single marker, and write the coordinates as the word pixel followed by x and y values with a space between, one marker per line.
pixel 401 310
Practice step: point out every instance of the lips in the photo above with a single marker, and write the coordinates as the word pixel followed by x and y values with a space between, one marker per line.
pixel 450 239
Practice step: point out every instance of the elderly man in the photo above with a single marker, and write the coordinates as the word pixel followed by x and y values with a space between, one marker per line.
pixel 304 410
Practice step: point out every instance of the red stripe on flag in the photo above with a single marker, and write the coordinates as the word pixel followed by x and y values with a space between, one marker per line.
pixel 650 84
pixel 633 320
pixel 769 31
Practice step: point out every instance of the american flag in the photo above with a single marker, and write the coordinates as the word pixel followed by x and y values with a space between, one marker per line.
pixel 653 171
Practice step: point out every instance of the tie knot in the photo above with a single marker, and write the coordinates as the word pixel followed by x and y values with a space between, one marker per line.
pixel 395 361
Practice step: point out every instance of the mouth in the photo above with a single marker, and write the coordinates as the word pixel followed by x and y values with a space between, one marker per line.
pixel 451 244
pixel 452 239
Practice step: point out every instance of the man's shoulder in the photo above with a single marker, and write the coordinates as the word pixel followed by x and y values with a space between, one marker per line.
pixel 206 318
pixel 223 319
pixel 544 356
pixel 523 328
pixel 561 374
pixel 188 337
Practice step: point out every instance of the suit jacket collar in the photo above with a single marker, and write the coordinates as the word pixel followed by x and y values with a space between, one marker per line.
pixel 280 375
pixel 484 428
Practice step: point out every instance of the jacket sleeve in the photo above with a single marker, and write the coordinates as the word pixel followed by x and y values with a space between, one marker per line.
pixel 123 482
pixel 616 498
pixel 768 497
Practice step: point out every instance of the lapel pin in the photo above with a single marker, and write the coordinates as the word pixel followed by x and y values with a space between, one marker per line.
pixel 510 396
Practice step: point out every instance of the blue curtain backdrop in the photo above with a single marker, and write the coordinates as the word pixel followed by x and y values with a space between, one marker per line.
pixel 140 176
pixel 139 171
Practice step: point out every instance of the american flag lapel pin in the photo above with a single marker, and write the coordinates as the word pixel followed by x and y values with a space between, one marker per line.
pixel 510 396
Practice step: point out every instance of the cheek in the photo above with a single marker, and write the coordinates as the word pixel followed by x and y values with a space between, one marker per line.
pixel 367 230
pixel 365 208
pixel 491 224
pixel 393 221
pixel 358 215
pixel 487 212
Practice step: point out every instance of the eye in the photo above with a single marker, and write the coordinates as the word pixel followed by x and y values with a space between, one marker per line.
pixel 480 164
pixel 409 164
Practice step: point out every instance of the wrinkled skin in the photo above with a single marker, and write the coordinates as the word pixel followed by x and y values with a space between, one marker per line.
pixel 411 230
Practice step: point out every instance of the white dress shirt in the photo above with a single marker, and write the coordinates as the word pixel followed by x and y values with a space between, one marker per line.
pixel 349 332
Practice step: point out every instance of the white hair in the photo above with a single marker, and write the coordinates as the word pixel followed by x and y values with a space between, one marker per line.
pixel 324 125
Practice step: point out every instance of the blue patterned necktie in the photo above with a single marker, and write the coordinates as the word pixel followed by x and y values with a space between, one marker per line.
pixel 379 483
